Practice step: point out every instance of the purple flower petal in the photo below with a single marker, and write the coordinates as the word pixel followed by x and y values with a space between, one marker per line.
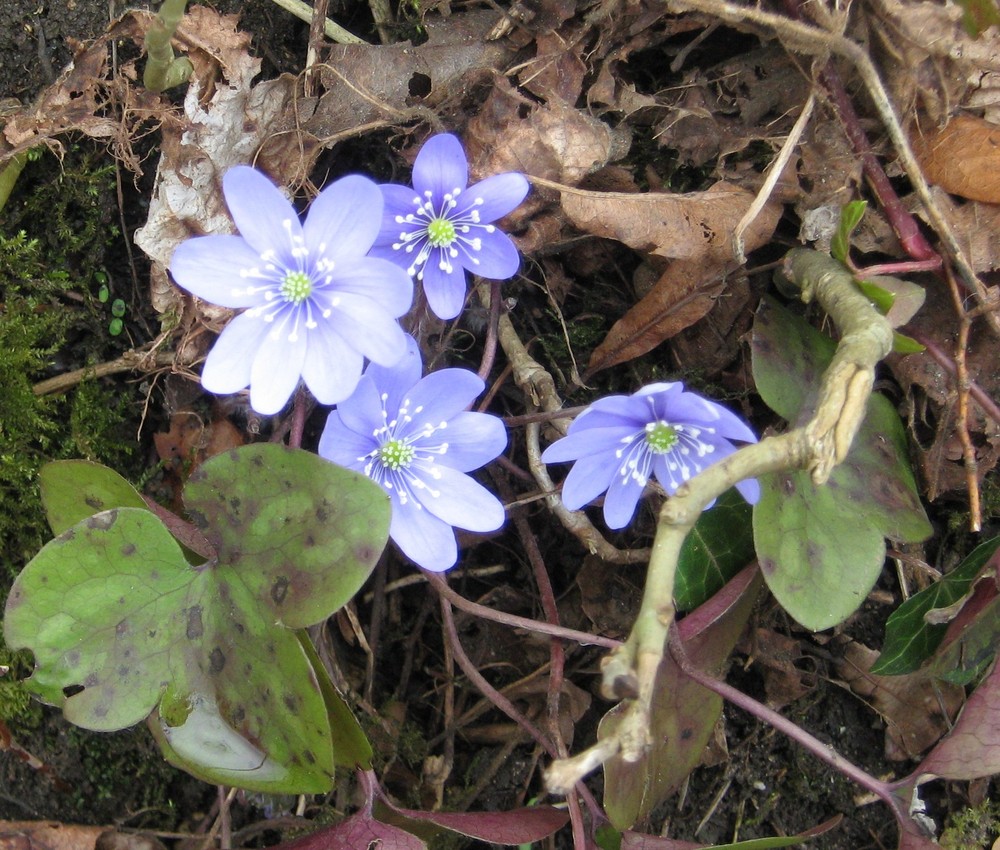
pixel 587 441
pixel 330 385
pixel 445 290
pixel 750 490
pixel 499 195
pixel 342 445
pixel 209 267
pixel 423 538
pixel 589 477
pixel 382 281
pixel 369 328
pixel 362 411
pixel 441 166
pixel 227 368
pixel 398 201
pixel 344 219
pixel 394 382
pixel 621 500
pixel 474 439
pixel 276 368
pixel 263 216
pixel 498 257
pixel 458 499
pixel 439 396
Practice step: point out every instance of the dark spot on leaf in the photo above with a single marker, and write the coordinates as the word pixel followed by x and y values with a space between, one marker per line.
pixel 247 669
pixel 68 535
pixel 195 628
pixel 72 658
pixel 197 475
pixel 686 733
pixel 365 554
pixel 123 672
pixel 151 633
pixel 72 690
pixel 239 714
pixel 128 549
pixel 154 575
pixel 788 485
pixel 234 504
pixel 91 681
pixel 291 703
pixel 767 566
pixel 240 628
pixel 95 503
pixel 279 590
pixel 216 661
pixel 121 600
pixel 310 541
pixel 322 514
pixel 121 629
pixel 256 460
pixel 102 521
pixel 198 518
pixel 308 756
pixel 100 710
pixel 235 556
pixel 270 648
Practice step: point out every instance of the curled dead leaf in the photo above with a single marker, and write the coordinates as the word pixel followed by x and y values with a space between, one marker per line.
pixel 963 157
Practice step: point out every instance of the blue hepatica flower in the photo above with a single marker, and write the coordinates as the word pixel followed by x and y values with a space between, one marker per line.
pixel 316 304
pixel 413 436
pixel 620 441
pixel 442 226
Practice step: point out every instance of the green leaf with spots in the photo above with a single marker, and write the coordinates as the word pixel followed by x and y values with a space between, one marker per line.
pixel 718 547
pixel 73 490
pixel 124 628
pixel 821 548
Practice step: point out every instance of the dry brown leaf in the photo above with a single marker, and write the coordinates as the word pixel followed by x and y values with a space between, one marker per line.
pixel 777 655
pixel 694 229
pixel 976 227
pixel 48 835
pixel 366 83
pixel 917 709
pixel 675 226
pixel 962 158
pixel 553 140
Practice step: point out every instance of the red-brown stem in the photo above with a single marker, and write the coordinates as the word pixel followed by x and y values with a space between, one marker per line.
pixel 490 345
pixel 990 407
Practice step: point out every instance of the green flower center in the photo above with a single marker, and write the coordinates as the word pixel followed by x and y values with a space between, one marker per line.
pixel 296 287
pixel 440 232
pixel 396 454
pixel 660 437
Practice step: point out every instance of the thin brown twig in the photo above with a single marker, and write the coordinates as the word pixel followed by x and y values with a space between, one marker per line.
pixel 962 392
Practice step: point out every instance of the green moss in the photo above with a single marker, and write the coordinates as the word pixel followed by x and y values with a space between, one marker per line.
pixel 973 829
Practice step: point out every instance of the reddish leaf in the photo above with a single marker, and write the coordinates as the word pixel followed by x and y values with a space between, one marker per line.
pixel 683 712
pixel 357 832
pixel 962 157
pixel 973 747
pixel 519 826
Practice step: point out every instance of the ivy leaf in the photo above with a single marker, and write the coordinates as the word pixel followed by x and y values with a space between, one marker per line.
pixel 909 638
pixel 850 217
pixel 821 548
pixel 123 627
pixel 718 547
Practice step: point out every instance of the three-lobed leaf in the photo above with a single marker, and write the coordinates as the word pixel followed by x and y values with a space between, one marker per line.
pixel 123 626
pixel 821 548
